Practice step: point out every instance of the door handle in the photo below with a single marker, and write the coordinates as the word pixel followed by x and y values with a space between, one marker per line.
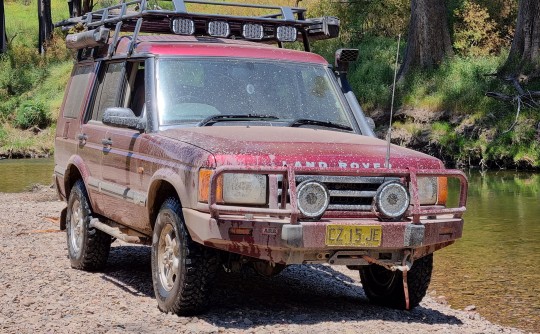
pixel 106 142
pixel 82 137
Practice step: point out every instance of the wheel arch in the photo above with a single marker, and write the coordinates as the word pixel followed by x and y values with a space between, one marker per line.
pixel 164 184
pixel 75 170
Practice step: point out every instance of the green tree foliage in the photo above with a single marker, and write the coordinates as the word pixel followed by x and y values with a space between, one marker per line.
pixel 475 32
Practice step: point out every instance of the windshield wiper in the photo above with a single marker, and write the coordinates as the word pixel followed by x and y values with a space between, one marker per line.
pixel 211 120
pixel 305 121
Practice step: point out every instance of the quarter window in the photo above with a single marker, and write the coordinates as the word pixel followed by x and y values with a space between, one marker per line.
pixel 78 88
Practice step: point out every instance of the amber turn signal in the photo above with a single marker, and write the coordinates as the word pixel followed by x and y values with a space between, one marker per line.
pixel 204 186
pixel 442 183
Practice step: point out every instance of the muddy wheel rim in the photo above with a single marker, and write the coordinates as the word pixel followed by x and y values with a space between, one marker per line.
pixel 168 257
pixel 76 230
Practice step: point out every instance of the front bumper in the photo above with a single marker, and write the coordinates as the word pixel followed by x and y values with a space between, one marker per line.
pixel 278 241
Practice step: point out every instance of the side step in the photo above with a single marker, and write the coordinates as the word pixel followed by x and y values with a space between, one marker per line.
pixel 115 232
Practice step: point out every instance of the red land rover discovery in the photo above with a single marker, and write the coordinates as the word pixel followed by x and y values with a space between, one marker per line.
pixel 214 144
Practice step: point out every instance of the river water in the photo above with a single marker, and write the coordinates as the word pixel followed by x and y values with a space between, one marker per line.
pixel 495 266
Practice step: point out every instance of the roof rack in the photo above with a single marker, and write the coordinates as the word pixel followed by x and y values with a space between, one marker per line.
pixel 284 24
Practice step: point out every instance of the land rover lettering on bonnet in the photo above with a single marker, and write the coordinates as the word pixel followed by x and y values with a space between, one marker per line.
pixel 202 136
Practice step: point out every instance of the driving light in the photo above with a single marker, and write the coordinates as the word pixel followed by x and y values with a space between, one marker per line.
pixel 286 34
pixel 253 31
pixel 392 200
pixel 181 26
pixel 219 29
pixel 313 199
pixel 241 188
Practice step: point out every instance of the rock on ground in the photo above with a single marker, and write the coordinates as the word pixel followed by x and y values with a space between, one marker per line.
pixel 39 292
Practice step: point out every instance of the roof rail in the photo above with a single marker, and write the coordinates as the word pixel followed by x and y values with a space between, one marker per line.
pixel 284 24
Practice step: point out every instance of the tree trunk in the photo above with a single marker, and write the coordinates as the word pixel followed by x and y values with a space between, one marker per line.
pixel 87 6
pixel 428 40
pixel 3 37
pixel 524 58
pixel 75 8
pixel 45 24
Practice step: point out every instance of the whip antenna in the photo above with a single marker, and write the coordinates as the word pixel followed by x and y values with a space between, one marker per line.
pixel 389 133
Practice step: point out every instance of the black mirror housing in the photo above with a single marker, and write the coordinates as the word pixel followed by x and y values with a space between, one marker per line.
pixel 123 117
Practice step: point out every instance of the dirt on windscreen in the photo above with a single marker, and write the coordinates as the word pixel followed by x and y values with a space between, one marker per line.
pixel 39 292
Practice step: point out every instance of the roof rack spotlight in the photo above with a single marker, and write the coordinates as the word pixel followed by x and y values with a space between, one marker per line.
pixel 286 34
pixel 219 29
pixel 253 31
pixel 182 26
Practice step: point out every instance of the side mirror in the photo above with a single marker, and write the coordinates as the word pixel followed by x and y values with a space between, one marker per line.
pixel 344 57
pixel 123 117
pixel 371 123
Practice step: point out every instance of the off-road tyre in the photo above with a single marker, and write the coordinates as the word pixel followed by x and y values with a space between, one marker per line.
pixel 185 288
pixel 88 248
pixel 385 288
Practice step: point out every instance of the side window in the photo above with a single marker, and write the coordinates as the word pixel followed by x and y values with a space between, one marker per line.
pixel 80 81
pixel 108 89
pixel 135 92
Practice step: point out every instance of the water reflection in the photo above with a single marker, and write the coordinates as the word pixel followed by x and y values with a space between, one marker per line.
pixel 495 265
pixel 19 175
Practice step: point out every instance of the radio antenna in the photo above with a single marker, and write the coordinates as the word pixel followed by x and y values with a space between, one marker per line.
pixel 389 133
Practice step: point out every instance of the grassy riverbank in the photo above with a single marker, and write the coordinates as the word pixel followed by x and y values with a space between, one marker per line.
pixel 443 112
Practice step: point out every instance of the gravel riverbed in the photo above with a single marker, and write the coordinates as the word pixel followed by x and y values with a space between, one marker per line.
pixel 39 292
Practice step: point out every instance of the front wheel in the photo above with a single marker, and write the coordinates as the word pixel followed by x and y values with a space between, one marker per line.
pixel 183 271
pixel 385 287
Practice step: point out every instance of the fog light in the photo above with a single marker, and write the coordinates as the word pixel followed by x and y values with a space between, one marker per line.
pixel 313 199
pixel 253 31
pixel 219 29
pixel 182 26
pixel 392 200
pixel 286 34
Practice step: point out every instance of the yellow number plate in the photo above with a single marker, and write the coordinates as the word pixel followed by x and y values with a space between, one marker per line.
pixel 353 235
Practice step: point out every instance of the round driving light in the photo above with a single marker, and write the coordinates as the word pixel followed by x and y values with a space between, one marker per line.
pixel 392 200
pixel 313 199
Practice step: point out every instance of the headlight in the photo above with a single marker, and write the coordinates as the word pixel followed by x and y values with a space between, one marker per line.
pixel 432 190
pixel 313 199
pixel 234 188
pixel 392 200
pixel 244 188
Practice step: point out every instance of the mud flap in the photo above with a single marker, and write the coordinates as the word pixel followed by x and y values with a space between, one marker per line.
pixel 406 289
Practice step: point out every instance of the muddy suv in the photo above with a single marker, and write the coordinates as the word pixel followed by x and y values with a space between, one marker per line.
pixel 218 147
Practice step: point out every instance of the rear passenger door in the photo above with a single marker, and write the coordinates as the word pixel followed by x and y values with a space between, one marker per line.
pixel 92 148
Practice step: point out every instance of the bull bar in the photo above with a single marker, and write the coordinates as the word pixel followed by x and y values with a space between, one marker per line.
pixel 289 185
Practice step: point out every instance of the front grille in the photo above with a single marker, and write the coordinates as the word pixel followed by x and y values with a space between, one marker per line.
pixel 347 193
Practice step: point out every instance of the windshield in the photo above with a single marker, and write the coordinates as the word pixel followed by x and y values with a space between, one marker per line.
pixel 190 91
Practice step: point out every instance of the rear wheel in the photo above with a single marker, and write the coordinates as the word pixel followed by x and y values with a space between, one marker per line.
pixel 88 248
pixel 385 287
pixel 183 271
